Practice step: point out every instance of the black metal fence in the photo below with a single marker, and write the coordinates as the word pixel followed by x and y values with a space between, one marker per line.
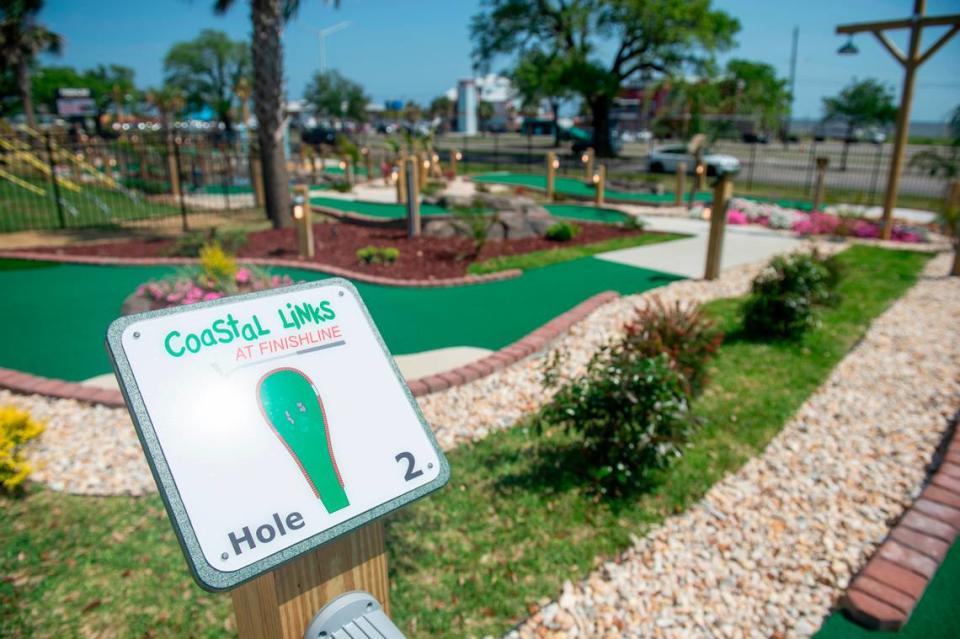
pixel 56 181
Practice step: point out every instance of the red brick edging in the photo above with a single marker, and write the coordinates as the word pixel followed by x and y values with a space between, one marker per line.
pixel 531 343
pixel 105 260
pixel 884 593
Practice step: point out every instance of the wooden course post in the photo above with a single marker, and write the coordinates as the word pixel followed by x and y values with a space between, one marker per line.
pixel 600 181
pixel 280 604
pixel 454 160
pixel 678 188
pixel 303 221
pixel 368 162
pixel 551 175
pixel 819 189
pixel 587 159
pixel 722 192
pixel 413 195
pixel 402 180
pixel 701 175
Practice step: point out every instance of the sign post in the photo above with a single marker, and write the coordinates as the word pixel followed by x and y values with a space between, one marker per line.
pixel 600 182
pixel 551 175
pixel 722 192
pixel 274 465
pixel 303 219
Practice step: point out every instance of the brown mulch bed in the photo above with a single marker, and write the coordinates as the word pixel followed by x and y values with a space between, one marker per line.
pixel 337 244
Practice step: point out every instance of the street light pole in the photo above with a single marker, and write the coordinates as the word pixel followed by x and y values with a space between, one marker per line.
pixel 910 62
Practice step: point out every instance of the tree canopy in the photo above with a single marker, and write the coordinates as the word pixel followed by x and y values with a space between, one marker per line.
pixel 861 103
pixel 753 88
pixel 336 96
pixel 653 36
pixel 22 38
pixel 207 69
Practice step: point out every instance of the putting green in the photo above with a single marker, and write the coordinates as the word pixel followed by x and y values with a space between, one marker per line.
pixel 578 188
pixel 56 315
pixel 937 616
pixel 399 211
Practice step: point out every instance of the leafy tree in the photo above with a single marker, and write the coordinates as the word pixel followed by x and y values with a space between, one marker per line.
pixel 753 88
pixel 207 69
pixel 46 80
pixel 860 103
pixel 412 112
pixel 329 92
pixel 108 83
pixel 484 113
pixel 442 107
pixel 168 100
pixel 540 76
pixel 944 163
pixel 656 36
pixel 22 38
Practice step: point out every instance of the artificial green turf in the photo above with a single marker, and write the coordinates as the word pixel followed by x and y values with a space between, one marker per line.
pixel 586 213
pixel 538 259
pixel 59 314
pixel 375 209
pixel 580 189
pixel 937 616
pixel 231 189
pixel 471 560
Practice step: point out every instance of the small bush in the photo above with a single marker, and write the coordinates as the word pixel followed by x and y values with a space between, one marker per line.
pixel 784 296
pixel 341 186
pixel 189 244
pixel 682 332
pixel 432 188
pixel 16 429
pixel 632 413
pixel 378 254
pixel 478 222
pixel 633 223
pixel 217 264
pixel 562 232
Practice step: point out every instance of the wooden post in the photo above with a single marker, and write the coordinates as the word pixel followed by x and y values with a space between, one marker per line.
pixel 402 180
pixel 413 199
pixel 454 160
pixel 600 181
pixel 280 604
pixel 368 163
pixel 323 159
pixel 256 177
pixel 348 169
pixel 435 169
pixel 304 223
pixel 587 160
pixel 818 191
pixel 722 192
pixel 172 168
pixel 422 164
pixel 678 189
pixel 551 175
pixel 701 175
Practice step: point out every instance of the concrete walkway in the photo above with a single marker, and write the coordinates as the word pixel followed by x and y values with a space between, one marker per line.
pixel 687 257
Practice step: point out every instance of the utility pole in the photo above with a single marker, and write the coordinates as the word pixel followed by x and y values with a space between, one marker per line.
pixel 910 62
pixel 793 84
pixel 323 33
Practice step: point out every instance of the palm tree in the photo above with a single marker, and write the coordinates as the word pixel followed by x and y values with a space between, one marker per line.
pixel 21 40
pixel 268 17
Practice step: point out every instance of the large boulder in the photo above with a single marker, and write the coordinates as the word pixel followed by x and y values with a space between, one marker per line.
pixel 511 217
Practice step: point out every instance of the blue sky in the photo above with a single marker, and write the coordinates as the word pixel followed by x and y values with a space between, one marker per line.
pixel 405 49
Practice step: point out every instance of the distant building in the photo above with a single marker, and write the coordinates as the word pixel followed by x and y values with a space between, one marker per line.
pixel 495 89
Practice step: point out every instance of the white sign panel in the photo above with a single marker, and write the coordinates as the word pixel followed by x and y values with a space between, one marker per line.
pixel 273 422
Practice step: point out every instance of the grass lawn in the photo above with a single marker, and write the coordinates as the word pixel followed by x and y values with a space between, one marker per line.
pixel 511 527
pixel 547 257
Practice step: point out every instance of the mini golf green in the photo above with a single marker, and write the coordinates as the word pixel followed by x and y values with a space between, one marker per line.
pixel 399 211
pixel 578 188
pixel 56 315
pixel 937 616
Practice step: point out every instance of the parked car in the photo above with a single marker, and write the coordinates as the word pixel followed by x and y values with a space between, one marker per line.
pixel 319 135
pixel 664 159
pixel 583 140
pixel 643 135
pixel 755 138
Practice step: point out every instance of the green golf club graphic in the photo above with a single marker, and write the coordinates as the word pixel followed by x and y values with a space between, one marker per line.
pixel 290 404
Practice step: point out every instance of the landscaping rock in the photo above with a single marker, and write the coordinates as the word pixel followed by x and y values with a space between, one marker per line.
pixel 516 217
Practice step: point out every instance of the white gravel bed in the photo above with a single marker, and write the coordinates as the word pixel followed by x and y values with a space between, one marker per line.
pixel 771 547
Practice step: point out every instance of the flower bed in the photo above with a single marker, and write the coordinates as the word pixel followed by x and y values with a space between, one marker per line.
pixel 218 276
pixel 834 221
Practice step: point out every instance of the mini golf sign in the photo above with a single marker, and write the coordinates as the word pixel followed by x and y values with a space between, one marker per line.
pixel 273 423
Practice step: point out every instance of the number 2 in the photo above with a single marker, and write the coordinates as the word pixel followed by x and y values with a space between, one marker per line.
pixel 411 473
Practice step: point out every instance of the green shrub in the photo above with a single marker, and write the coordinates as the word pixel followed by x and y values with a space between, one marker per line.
pixel 432 188
pixel 785 294
pixel 190 244
pixel 16 429
pixel 378 254
pixel 632 413
pixel 478 222
pixel 341 186
pixel 633 223
pixel 682 332
pixel 562 232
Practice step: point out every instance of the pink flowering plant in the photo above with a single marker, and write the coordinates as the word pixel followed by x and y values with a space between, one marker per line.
pixel 218 276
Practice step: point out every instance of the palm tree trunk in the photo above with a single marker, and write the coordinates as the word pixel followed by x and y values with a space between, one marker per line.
pixel 268 103
pixel 26 92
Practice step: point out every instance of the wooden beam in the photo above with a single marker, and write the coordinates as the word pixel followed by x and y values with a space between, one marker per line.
pixel 891 47
pixel 905 23
pixel 939 43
